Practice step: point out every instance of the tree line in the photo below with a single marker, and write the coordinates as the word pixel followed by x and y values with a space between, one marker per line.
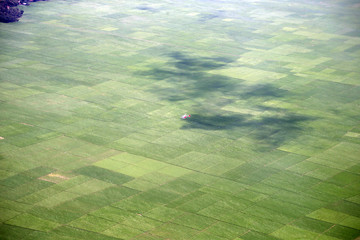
pixel 9 12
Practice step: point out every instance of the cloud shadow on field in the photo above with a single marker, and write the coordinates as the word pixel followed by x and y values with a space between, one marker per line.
pixel 146 8
pixel 187 78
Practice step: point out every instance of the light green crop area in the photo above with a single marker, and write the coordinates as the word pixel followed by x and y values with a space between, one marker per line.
pixel 93 145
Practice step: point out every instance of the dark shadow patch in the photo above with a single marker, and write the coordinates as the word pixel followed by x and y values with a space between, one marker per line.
pixel 215 122
pixel 187 77
pixel 104 175
pixel 146 8
pixel 264 91
pixel 276 130
pixel 272 131
pixel 197 64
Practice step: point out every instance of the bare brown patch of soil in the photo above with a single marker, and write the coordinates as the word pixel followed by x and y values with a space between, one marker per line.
pixel 54 178
pixel 26 124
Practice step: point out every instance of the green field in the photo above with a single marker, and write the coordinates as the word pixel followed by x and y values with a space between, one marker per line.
pixel 93 147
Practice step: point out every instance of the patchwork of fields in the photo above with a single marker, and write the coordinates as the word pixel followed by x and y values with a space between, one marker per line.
pixel 92 145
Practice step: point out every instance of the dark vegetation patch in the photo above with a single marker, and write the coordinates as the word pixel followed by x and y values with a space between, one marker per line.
pixel 9 12
pixel 13 232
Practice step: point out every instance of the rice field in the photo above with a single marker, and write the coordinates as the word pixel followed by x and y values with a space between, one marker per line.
pixel 92 144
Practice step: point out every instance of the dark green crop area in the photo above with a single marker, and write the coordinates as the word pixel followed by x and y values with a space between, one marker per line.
pixel 92 144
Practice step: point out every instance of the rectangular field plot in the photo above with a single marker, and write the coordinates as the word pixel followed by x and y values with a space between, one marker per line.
pixel 94 145
pixel 31 222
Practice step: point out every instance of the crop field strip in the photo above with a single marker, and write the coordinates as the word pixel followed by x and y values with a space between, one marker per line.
pixel 92 144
